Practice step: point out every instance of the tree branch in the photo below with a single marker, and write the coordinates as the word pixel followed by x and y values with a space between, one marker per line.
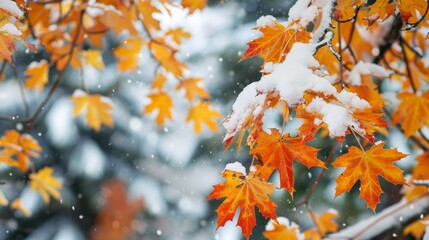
pixel 399 214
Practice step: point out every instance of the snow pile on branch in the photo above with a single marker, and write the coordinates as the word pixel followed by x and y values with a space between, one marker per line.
pixel 285 222
pixel 236 167
pixel 338 115
pixel 426 236
pixel 11 7
pixel 365 68
pixel 265 21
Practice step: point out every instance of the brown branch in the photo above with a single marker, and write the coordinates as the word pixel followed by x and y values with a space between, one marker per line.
pixel 319 178
pixel 22 92
pixel 29 120
pixel 407 65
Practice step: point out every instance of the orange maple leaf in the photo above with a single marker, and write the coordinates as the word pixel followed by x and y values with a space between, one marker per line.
pixel 159 81
pixel 324 223
pixel 203 113
pixel 46 184
pixel 245 192
pixel 163 103
pixel 412 10
pixel 193 5
pixel 97 109
pixel 37 75
pixel 165 56
pixel 147 10
pixel 192 90
pixel 281 230
pixel 276 42
pixel 366 166
pixel 128 54
pixel 22 147
pixel 178 34
pixel 278 152
pixel 414 111
pixel 420 172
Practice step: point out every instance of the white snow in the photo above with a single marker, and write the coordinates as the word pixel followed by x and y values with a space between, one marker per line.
pixel 11 7
pixel 269 67
pixel 97 9
pixel 236 167
pixel 421 182
pixel 366 68
pixel 294 76
pixel 351 100
pixel 426 236
pixel 326 6
pixel 303 13
pixel 10 29
pixel 265 21
pixel 285 222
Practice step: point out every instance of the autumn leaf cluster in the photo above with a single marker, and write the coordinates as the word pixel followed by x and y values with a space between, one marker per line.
pixel 327 66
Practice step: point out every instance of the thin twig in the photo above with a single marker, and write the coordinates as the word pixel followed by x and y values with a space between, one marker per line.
pixel 22 92
pixel 407 65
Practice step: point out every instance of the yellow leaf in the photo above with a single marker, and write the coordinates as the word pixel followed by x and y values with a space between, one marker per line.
pixel 18 149
pixel 37 75
pixel 165 56
pixel 194 4
pixel 44 183
pixel 203 113
pixel 93 58
pixel 159 81
pixel 192 89
pixel 163 104
pixel 282 229
pixel 178 35
pixel 324 223
pixel 417 228
pixel 128 54
pixel 147 10
pixel 97 109
pixel 16 204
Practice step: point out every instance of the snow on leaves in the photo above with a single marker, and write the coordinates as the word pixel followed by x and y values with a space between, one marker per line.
pixel 244 192
pixel 282 229
pixel 366 166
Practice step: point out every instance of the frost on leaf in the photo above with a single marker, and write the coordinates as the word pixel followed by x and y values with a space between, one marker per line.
pixel 366 166
pixel 244 192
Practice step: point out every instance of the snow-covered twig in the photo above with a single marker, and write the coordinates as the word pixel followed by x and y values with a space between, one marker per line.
pixel 422 182
pixel 393 216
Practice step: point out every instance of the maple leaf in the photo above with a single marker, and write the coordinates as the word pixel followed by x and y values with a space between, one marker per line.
pixel 178 34
pixel 116 218
pixel 161 102
pixel 93 58
pixel 413 110
pixel 193 5
pixel 281 230
pixel 412 10
pixel 420 172
pixel 22 147
pixel 165 56
pixel 16 204
pixel 159 81
pixel 97 109
pixel 37 75
pixel 366 166
pixel 128 54
pixel 203 113
pixel 379 10
pixel 278 152
pixel 416 228
pixel 192 90
pixel 44 183
pixel 345 9
pixel 324 224
pixel 147 10
pixel 276 42
pixel 245 192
